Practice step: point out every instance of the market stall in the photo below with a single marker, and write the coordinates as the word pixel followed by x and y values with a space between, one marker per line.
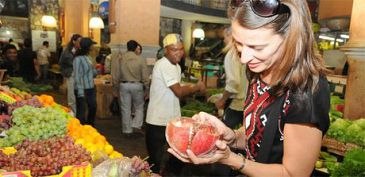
pixel 40 138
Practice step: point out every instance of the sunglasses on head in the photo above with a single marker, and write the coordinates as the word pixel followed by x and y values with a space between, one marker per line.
pixel 263 8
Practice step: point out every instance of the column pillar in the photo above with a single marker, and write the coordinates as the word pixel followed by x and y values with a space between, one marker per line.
pixel 186 27
pixel 137 20
pixel 355 51
pixel 76 18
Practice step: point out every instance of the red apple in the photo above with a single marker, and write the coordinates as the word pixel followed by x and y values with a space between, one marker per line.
pixel 186 133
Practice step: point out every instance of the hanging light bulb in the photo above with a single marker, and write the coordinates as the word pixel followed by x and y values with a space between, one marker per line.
pixel 96 23
pixel 198 33
pixel 48 21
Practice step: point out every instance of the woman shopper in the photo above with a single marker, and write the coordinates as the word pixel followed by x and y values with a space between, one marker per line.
pixel 66 64
pixel 84 73
pixel 287 103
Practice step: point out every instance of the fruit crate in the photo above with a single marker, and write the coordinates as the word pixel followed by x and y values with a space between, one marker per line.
pixel 83 170
pixel 337 147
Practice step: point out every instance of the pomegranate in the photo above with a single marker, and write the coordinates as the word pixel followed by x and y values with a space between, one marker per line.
pixel 186 133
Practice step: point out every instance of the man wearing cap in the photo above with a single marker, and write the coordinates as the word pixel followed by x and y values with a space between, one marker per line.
pixel 132 77
pixel 84 74
pixel 165 93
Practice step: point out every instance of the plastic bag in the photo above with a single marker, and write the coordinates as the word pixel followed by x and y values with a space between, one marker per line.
pixel 119 167
pixel 114 107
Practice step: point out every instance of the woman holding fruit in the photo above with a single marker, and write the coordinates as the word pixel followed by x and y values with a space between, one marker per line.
pixel 287 103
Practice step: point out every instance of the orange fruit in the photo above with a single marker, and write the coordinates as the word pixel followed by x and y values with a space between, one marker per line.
pixel 108 149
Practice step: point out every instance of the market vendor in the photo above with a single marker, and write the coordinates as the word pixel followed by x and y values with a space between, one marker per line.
pixel 287 105
pixel 165 92
pixel 10 61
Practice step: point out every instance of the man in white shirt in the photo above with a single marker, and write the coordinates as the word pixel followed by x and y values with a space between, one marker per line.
pixel 43 54
pixel 165 92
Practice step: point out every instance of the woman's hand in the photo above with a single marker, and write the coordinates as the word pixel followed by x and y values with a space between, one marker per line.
pixel 139 165
pixel 221 153
pixel 226 134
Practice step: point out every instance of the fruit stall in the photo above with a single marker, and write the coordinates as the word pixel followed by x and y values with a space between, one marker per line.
pixel 40 138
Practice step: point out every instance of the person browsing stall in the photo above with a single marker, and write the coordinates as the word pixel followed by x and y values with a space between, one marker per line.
pixel 287 105
pixel 165 93
pixel 84 74
pixel 66 64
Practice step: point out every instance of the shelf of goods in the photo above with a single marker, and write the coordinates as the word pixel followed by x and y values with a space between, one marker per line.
pixel 40 138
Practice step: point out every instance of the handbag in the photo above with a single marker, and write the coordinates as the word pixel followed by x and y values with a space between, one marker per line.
pixel 114 107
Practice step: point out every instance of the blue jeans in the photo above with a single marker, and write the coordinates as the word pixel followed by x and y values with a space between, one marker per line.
pixel 90 100
pixel 44 72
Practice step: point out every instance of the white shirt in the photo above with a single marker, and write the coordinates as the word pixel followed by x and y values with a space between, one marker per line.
pixel 163 105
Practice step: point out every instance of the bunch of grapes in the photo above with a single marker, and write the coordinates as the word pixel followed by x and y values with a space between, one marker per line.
pixel 4 159
pixel 31 102
pixel 34 124
pixel 5 122
pixel 46 157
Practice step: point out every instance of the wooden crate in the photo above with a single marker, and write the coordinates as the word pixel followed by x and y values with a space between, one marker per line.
pixel 337 147
pixel 104 97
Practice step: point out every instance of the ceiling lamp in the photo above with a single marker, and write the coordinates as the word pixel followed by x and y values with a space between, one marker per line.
pixel 48 21
pixel 198 33
pixel 96 23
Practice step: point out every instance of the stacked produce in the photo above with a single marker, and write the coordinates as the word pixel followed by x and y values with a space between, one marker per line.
pixel 18 82
pixel 353 164
pixel 39 135
pixel 44 157
pixel 347 131
pixel 193 107
pixel 91 139
pixel 34 124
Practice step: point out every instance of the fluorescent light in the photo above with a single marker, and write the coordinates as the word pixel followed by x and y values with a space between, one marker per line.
pixel 326 38
pixel 345 36
pixel 330 38
pixel 198 33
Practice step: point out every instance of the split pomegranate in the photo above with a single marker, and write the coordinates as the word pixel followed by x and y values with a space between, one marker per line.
pixel 186 133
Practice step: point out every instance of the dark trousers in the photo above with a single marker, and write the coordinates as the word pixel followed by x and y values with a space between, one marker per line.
pixel 232 118
pixel 90 100
pixel 155 143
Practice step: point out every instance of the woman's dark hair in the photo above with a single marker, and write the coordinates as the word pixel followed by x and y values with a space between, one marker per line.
pixel 82 51
pixel 99 58
pixel 70 44
pixel 27 43
pixel 8 47
pixel 132 45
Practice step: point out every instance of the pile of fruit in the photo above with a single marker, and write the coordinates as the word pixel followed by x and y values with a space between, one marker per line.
pixel 41 136
pixel 44 157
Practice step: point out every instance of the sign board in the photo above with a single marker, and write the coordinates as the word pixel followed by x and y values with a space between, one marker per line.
pixel 38 36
